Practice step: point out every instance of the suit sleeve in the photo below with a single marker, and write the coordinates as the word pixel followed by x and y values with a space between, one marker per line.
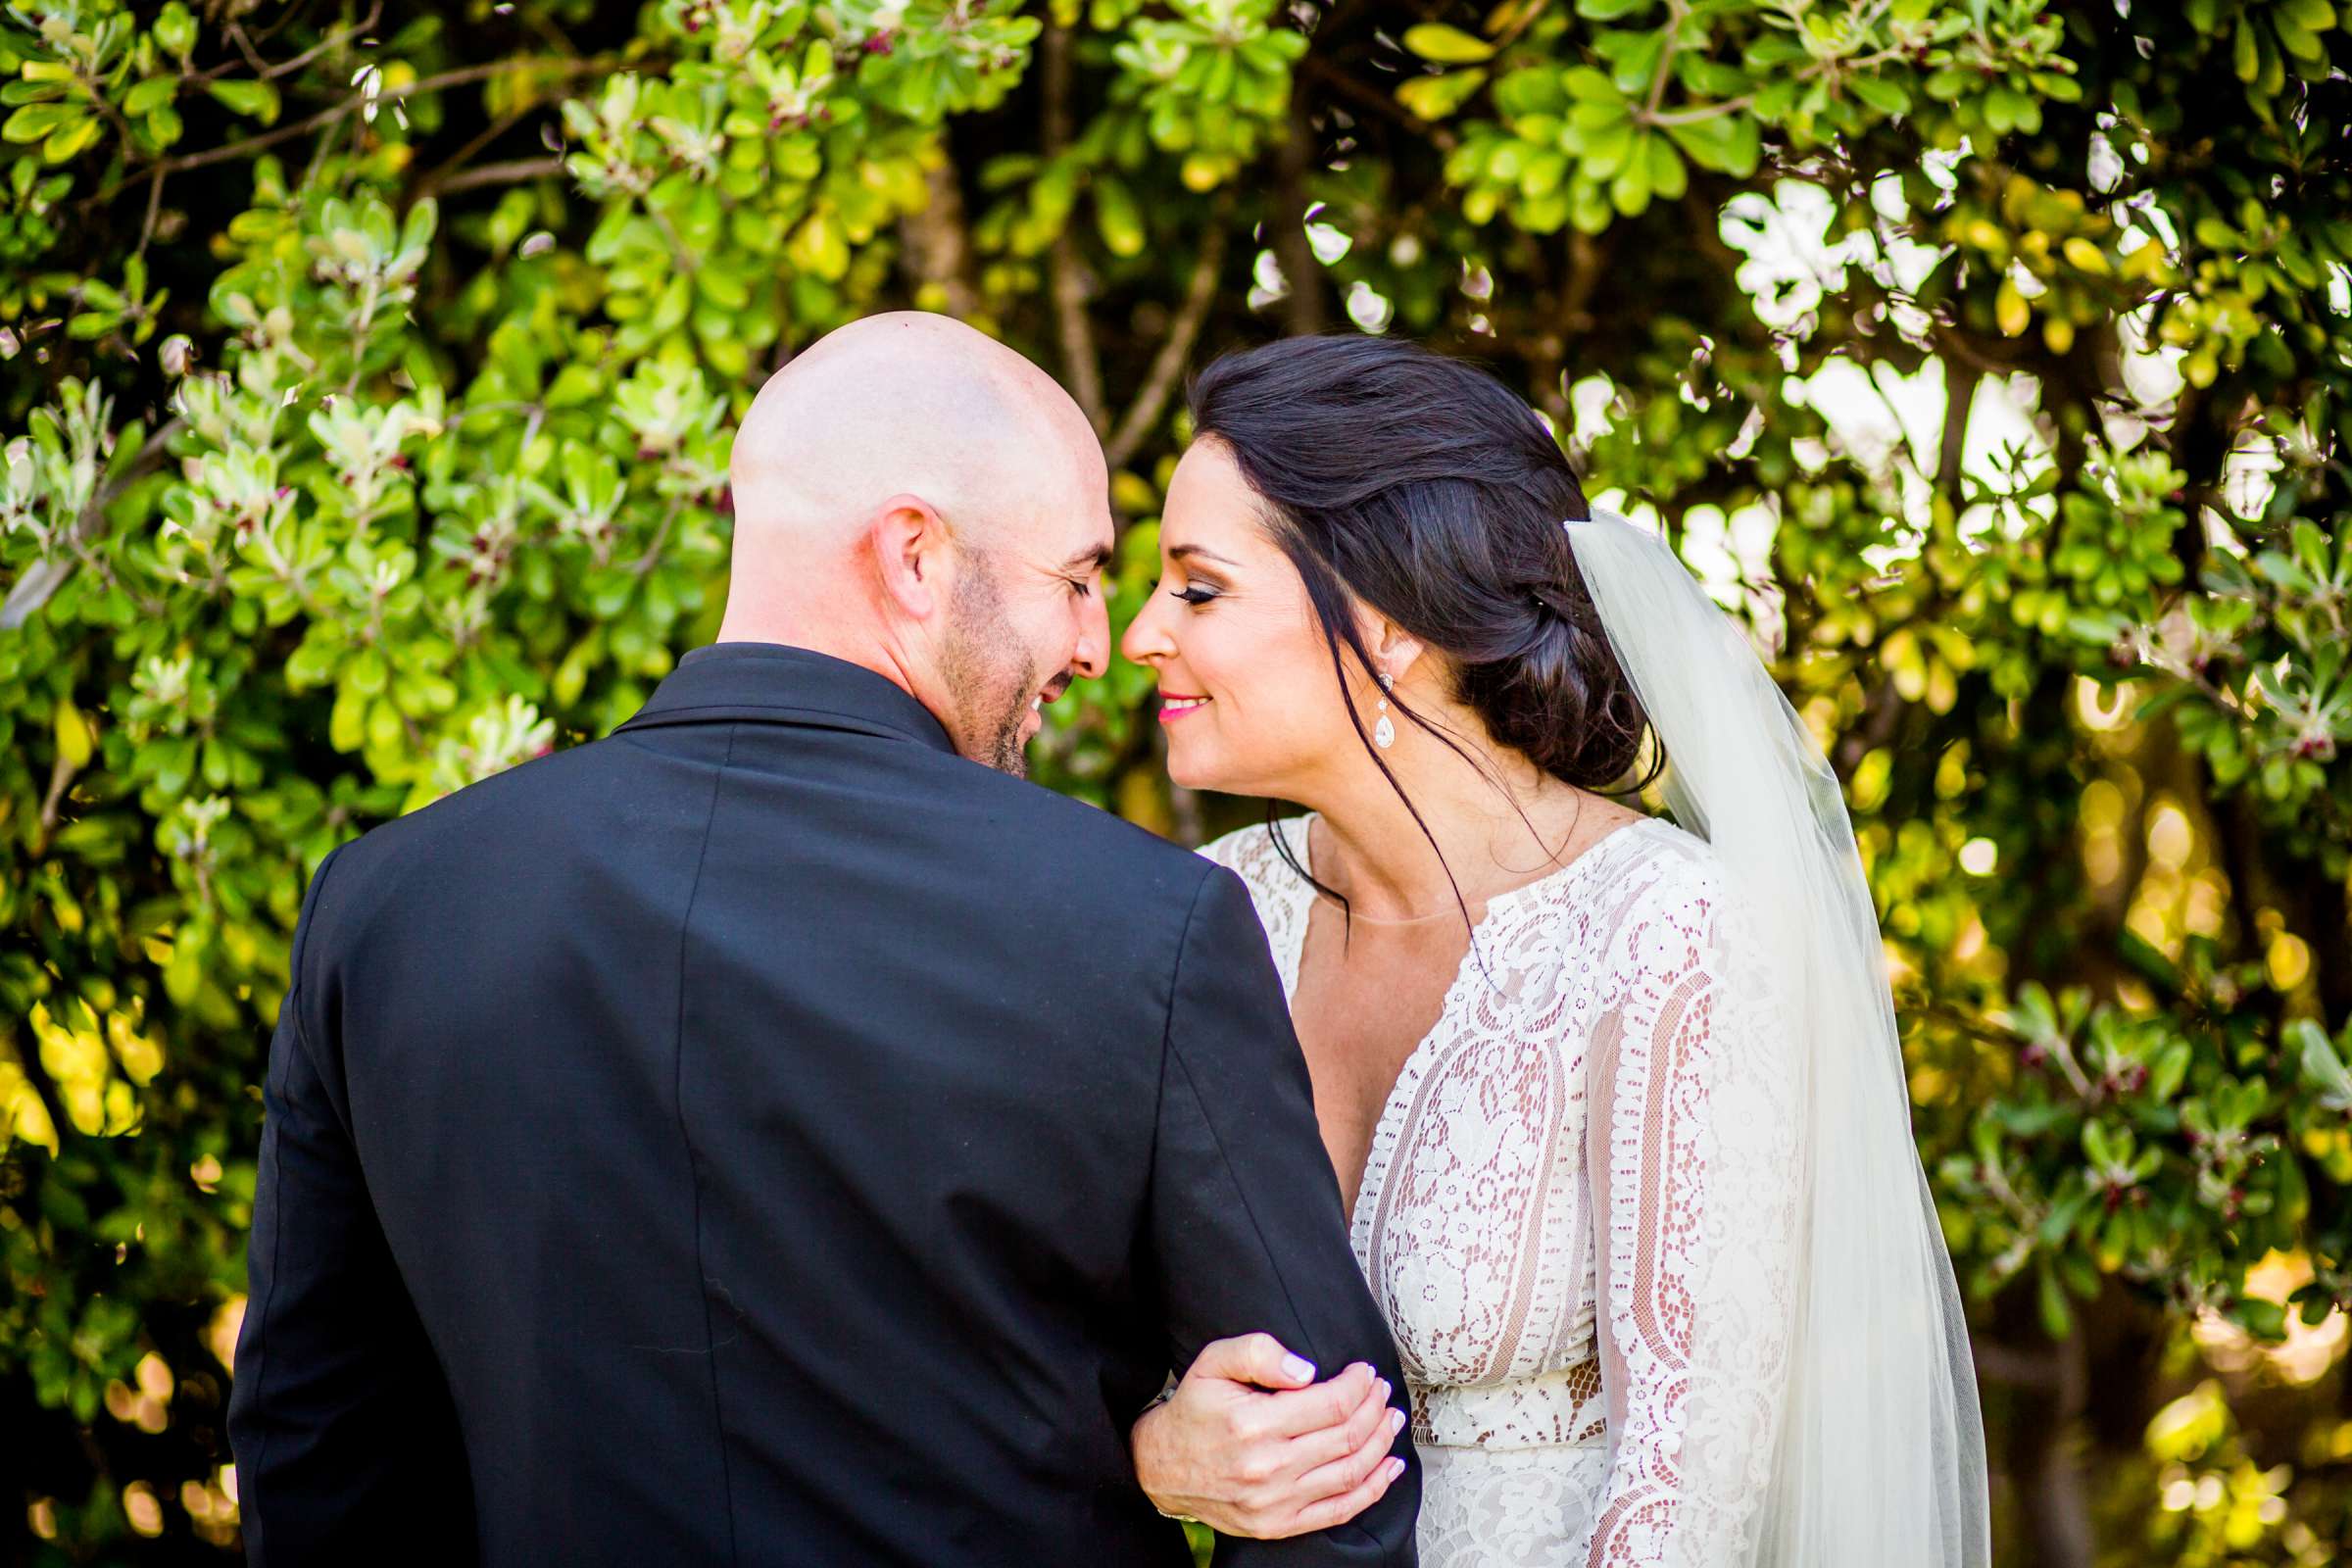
pixel 1246 1217
pixel 339 1417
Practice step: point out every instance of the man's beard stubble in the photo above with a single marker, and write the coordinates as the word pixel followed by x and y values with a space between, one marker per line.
pixel 989 672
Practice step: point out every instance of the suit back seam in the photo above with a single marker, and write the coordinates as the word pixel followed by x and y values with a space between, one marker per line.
pixel 694 1158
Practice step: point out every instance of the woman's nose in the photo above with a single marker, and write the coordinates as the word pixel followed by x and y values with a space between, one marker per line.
pixel 1147 639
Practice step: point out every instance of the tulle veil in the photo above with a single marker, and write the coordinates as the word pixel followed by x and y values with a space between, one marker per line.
pixel 1879 1454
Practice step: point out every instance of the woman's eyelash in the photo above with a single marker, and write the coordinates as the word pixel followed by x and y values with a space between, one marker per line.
pixel 1194 596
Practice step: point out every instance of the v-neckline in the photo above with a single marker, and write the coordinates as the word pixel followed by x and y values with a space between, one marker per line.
pixel 1415 1064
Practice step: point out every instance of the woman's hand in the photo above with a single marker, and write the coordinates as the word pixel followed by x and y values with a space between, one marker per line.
pixel 1252 1446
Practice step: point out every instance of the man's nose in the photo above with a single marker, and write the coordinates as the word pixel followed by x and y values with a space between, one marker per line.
pixel 1093 656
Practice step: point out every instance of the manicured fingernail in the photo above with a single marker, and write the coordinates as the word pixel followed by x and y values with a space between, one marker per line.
pixel 1394 1468
pixel 1385 1391
pixel 1299 1367
pixel 1395 1421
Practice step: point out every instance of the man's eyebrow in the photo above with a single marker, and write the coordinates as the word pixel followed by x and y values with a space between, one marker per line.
pixel 1092 559
pixel 1182 550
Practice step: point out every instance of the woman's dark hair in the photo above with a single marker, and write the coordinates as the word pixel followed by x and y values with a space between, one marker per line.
pixel 1423 487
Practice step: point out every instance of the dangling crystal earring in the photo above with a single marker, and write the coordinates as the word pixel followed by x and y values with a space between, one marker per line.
pixel 1384 733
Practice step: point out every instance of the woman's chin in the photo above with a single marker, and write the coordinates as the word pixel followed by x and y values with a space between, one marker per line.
pixel 1189 778
pixel 1197 773
pixel 1188 770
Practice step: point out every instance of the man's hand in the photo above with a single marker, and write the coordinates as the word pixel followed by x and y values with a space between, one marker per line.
pixel 1252 1446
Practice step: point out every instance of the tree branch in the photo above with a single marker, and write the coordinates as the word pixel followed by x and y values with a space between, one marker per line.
pixel 561 68
pixel 938 248
pixel 236 36
pixel 249 47
pixel 1143 415
pixel 511 172
pixel 447 169
pixel 1587 264
pixel 1082 362
pixel 1960 396
pixel 1368 97
pixel 359 28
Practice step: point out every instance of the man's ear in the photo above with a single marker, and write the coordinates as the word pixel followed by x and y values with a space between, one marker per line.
pixel 909 541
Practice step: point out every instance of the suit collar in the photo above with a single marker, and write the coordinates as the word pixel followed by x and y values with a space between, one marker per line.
pixel 775 683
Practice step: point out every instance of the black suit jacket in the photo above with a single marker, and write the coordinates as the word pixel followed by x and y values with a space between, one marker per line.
pixel 763 1136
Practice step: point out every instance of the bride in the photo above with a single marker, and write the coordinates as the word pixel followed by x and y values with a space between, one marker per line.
pixel 1617 1104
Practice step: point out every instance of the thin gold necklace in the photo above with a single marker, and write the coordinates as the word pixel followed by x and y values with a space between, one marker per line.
pixel 1373 919
pixel 1554 869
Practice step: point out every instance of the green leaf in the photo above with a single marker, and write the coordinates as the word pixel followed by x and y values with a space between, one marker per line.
pixel 2148 959
pixel 722 288
pixel 1612 10
pixel 2057 1313
pixel 574 384
pixel 1606 153
pixel 2321 1068
pixel 183 975
pixel 149 95
pixel 68 140
pixel 1434 98
pixel 346 722
pixel 2006 109
pixel 36 122
pixel 73 731
pixel 1586 85
pixel 2059 1222
pixel 1881 94
pixel 1447 46
pixel 255 100
pixel 1637 59
pixel 1117 218
pixel 2171 1068
pixel 820 247
pixel 1628 193
pixel 175 29
pixel 1728 143
pixel 2265 1320
pixel 1668 179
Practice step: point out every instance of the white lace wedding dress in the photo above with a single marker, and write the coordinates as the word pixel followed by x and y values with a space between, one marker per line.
pixel 1579 1212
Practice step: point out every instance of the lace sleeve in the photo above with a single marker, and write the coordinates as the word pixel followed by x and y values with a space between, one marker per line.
pixel 1696 1183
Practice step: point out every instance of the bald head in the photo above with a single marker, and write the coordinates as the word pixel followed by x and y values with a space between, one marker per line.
pixel 908 404
pixel 901 478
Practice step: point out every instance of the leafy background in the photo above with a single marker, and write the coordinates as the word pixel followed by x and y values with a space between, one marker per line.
pixel 368 373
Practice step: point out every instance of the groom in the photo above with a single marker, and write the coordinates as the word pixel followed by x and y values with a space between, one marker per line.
pixel 764 1135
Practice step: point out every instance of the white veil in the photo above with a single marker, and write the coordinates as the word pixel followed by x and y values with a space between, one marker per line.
pixel 1880 1456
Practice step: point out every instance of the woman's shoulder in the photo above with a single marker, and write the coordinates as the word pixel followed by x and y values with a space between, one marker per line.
pixel 1252 854
pixel 1670 875
pixel 1670 855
